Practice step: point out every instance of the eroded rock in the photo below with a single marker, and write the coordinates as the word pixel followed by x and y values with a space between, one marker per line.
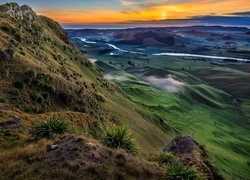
pixel 191 153
pixel 19 12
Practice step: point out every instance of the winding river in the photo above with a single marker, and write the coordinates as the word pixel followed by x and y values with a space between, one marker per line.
pixel 170 54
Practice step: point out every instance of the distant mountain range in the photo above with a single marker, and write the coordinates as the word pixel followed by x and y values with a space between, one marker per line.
pixel 241 19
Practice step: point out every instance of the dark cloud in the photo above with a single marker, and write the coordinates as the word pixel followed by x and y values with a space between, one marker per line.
pixel 243 14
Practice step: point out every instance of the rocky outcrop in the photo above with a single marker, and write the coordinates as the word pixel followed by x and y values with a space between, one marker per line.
pixel 19 12
pixel 4 56
pixel 191 153
pixel 90 160
pixel 28 25
pixel 15 123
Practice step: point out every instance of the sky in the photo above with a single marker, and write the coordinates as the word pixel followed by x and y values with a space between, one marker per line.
pixel 111 11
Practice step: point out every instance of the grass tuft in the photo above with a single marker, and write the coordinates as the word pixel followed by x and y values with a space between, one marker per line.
pixel 37 97
pixel 32 74
pixel 166 158
pixel 49 128
pixel 119 137
pixel 178 171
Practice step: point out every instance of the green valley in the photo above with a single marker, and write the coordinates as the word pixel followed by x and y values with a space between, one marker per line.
pixel 205 99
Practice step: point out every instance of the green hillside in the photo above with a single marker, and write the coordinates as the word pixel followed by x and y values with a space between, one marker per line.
pixel 208 112
pixel 43 73
pixel 45 78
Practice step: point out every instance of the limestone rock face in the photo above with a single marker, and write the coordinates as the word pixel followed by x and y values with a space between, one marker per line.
pixel 28 23
pixel 20 12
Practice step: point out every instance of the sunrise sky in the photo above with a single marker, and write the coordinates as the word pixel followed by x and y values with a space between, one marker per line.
pixel 108 11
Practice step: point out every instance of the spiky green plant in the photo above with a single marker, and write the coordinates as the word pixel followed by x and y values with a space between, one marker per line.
pixel 49 128
pixel 166 158
pixel 119 137
pixel 177 171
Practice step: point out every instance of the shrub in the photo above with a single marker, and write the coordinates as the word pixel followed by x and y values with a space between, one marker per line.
pixel 49 128
pixel 45 95
pixel 38 83
pixel 18 84
pixel 10 51
pixel 35 110
pixel 37 97
pixel 42 77
pixel 49 88
pixel 119 137
pixel 18 37
pixel 178 171
pixel 14 91
pixel 32 74
pixel 67 98
pixel 166 158
pixel 99 98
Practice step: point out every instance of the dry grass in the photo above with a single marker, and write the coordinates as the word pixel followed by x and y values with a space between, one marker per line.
pixel 74 157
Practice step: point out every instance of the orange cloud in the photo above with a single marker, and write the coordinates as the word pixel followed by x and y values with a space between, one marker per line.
pixel 168 11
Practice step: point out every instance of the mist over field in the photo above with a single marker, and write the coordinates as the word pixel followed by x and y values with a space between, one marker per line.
pixel 168 83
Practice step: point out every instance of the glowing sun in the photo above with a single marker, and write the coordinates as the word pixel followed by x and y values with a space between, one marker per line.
pixel 163 15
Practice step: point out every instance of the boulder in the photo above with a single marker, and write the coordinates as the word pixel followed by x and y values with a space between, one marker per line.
pixel 191 153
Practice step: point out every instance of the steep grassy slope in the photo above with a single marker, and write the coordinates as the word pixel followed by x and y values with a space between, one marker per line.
pixel 42 72
pixel 42 75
